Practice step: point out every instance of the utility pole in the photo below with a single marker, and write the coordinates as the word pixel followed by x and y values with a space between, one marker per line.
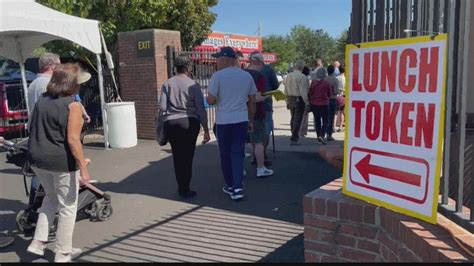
pixel 259 30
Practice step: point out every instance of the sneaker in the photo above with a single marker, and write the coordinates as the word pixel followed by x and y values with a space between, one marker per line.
pixel 322 141
pixel 238 194
pixel 338 129
pixel 228 190
pixel 36 247
pixel 60 257
pixel 329 138
pixel 264 172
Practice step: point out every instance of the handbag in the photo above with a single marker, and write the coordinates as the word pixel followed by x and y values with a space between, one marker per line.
pixel 161 135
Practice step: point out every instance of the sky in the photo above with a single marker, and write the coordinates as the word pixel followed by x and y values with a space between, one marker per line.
pixel 279 16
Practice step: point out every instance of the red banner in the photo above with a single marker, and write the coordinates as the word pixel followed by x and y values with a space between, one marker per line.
pixel 244 43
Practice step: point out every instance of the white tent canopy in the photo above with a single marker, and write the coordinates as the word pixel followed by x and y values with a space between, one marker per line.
pixel 34 24
pixel 26 25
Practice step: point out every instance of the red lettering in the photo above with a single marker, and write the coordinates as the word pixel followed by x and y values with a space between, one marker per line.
pixel 429 68
pixel 358 106
pixel 408 56
pixel 372 124
pixel 389 130
pixel 407 123
pixel 425 125
pixel 388 71
pixel 371 71
pixel 356 85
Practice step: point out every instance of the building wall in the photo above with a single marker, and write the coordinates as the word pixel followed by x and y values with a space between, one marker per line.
pixel 141 76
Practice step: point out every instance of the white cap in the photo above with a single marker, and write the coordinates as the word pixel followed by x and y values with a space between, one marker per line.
pixel 83 77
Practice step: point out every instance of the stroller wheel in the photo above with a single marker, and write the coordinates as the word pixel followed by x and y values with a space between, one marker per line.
pixel 104 211
pixel 22 222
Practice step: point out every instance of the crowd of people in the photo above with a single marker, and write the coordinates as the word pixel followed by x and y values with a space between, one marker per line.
pixel 319 91
pixel 244 115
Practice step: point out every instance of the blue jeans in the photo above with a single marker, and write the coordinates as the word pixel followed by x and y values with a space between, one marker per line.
pixel 231 139
pixel 332 114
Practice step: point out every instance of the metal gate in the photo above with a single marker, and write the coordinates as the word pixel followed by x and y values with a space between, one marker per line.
pixel 204 65
pixel 14 117
pixel 374 20
pixel 90 96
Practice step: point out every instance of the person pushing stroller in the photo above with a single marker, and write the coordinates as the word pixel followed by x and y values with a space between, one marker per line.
pixel 55 154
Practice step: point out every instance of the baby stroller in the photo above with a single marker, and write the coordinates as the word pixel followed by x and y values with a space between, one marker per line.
pixel 92 202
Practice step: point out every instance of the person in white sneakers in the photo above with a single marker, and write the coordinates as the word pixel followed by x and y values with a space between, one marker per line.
pixel 259 126
pixel 56 156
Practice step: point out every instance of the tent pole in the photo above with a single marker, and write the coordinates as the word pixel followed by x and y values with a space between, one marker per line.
pixel 23 75
pixel 25 85
pixel 102 102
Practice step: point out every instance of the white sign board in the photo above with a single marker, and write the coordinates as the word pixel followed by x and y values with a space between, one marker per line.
pixel 395 106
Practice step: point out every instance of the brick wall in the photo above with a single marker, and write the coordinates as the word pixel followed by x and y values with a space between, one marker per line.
pixel 339 228
pixel 141 77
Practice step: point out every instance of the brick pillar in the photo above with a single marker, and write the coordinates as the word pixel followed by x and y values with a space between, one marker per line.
pixel 143 69
pixel 339 228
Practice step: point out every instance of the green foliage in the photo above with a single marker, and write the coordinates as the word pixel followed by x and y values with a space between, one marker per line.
pixel 306 44
pixel 191 17
pixel 284 47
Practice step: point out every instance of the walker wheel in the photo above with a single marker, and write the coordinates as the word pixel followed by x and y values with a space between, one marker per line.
pixel 22 222
pixel 104 212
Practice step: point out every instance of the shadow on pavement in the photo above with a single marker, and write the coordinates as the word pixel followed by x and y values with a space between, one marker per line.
pixel 272 211
pixel 275 197
pixel 266 226
pixel 203 234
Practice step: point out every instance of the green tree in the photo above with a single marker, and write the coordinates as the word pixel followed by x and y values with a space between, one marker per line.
pixel 313 44
pixel 342 41
pixel 191 17
pixel 306 44
pixel 284 47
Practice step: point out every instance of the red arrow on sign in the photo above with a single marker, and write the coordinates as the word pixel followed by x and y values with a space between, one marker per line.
pixel 366 169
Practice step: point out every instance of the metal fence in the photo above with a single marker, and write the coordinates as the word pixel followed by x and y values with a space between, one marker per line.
pixel 374 20
pixel 13 112
pixel 90 96
pixel 204 65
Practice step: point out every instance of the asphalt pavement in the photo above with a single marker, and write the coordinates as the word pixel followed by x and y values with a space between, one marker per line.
pixel 151 223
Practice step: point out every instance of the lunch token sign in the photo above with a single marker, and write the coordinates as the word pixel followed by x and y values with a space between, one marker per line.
pixel 395 93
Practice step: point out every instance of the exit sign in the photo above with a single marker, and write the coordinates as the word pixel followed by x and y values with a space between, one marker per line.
pixel 144 44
